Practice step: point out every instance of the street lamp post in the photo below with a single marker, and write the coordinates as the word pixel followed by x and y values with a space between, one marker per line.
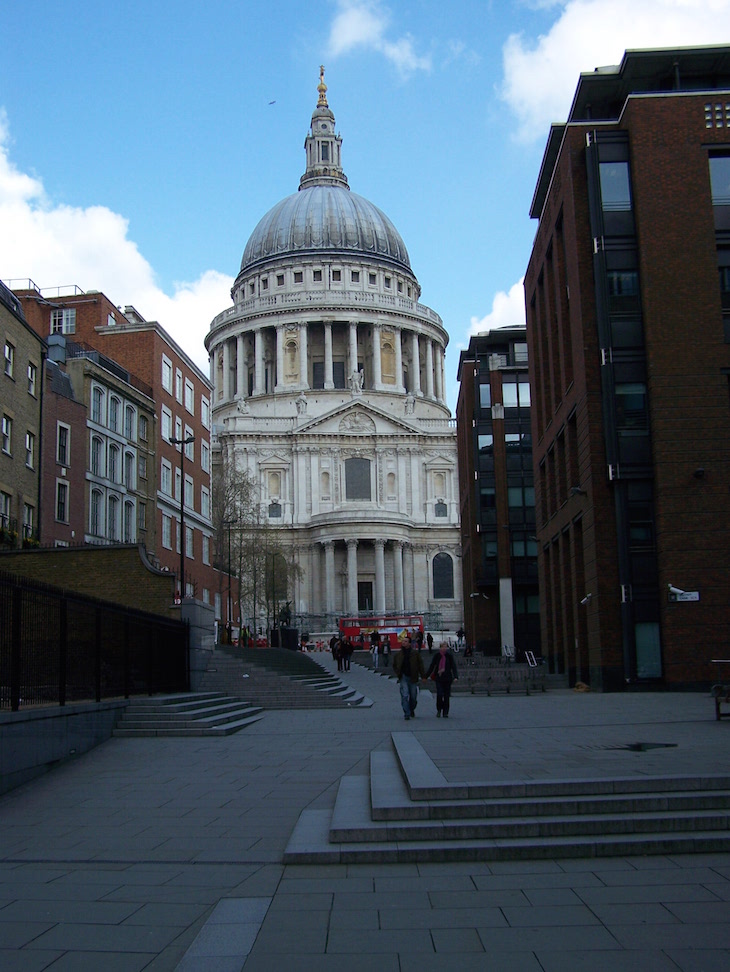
pixel 182 443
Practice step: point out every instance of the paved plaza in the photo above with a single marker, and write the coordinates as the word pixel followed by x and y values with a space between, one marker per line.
pixel 163 854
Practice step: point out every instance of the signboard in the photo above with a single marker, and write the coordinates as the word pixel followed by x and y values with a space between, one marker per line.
pixel 685 596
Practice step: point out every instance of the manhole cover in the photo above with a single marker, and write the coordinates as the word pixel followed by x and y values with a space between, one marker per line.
pixel 642 747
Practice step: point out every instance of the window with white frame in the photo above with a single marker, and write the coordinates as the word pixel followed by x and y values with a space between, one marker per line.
pixel 5 501
pixel 177 537
pixel 28 520
pixel 204 456
pixel 129 465
pixel 32 378
pixel 97 456
pixel 63 444
pixel 189 396
pixel 113 532
pixel 205 411
pixel 178 385
pixel 129 422
pixel 189 494
pixel 63 320
pixel 206 596
pixel 114 405
pixel 167 531
pixel 7 435
pixel 206 550
pixel 166 374
pixel 166 478
pixel 143 467
pixel 178 430
pixel 189 446
pixel 129 522
pixel 189 542
pixel 97 405
pixel 177 485
pixel 113 469
pixel 30 450
pixel 61 501
pixel 142 516
pixel 166 424
pixel 143 426
pixel 204 501
pixel 96 522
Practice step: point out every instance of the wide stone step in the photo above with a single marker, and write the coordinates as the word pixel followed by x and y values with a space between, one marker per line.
pixel 225 729
pixel 208 714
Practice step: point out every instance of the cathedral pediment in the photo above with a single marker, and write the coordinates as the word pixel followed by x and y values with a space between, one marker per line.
pixel 357 418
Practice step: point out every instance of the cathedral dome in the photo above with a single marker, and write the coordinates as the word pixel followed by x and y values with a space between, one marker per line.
pixel 321 220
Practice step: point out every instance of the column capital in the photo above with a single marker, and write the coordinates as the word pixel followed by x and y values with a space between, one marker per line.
pixel 379 541
pixel 352 542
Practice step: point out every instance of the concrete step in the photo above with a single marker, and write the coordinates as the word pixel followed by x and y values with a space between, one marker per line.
pixel 405 810
pixel 209 714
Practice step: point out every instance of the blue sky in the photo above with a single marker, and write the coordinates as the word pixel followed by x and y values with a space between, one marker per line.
pixel 139 146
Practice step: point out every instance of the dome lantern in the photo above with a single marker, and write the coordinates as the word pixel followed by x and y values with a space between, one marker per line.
pixel 323 146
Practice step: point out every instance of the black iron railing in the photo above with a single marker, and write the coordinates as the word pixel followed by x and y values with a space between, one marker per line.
pixel 58 647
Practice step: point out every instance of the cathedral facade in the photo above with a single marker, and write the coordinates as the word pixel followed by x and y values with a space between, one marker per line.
pixel 330 392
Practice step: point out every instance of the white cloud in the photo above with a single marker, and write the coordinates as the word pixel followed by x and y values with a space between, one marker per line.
pixel 59 245
pixel 363 23
pixel 507 309
pixel 540 76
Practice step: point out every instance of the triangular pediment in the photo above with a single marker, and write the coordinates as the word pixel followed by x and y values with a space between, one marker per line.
pixel 357 418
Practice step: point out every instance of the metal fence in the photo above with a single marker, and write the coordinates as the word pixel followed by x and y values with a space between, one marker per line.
pixel 58 647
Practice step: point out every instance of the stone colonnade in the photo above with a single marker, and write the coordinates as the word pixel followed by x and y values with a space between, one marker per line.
pixel 395 601
pixel 231 366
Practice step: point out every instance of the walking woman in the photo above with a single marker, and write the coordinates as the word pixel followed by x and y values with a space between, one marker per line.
pixel 443 669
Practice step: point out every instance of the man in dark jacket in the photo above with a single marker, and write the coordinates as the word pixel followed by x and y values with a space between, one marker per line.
pixel 443 668
pixel 408 668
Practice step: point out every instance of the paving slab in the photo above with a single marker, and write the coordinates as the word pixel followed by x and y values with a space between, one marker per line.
pixel 159 854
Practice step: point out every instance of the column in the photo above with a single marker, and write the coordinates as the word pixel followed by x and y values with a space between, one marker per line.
pixel 240 368
pixel 258 387
pixel 379 544
pixel 429 368
pixel 226 371
pixel 353 349
pixel 443 375
pixel 377 362
pixel 329 380
pixel 329 575
pixel 415 366
pixel 279 357
pixel 439 373
pixel 398 361
pixel 303 356
pixel 352 575
pixel 398 575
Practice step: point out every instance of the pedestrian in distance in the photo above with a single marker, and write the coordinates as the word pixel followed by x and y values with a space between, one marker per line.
pixel 347 650
pixel 408 668
pixel 443 671
pixel 429 642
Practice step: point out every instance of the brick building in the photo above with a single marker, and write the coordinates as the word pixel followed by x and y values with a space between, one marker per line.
pixel 496 493
pixel 626 288
pixel 20 413
pixel 148 360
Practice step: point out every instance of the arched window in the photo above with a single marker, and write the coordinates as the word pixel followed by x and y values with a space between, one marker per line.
pixel 390 485
pixel 325 485
pixel 97 406
pixel 113 531
pixel 96 524
pixel 129 422
pixel 97 457
pixel 357 479
pixel 114 414
pixel 113 469
pixel 129 465
pixel 129 522
pixel 443 576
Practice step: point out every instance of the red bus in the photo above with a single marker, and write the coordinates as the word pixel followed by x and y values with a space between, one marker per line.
pixel 393 627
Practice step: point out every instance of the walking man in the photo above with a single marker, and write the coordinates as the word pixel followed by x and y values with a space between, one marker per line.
pixel 443 668
pixel 408 668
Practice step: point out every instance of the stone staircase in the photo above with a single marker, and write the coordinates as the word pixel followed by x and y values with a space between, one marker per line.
pixel 276 678
pixel 187 714
pixel 406 811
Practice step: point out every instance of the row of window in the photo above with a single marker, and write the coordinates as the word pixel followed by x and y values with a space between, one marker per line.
pixel 335 275
pixel 6 518
pixel 184 391
pixel 515 393
pixel 108 463
pixel 118 416
pixel 166 476
pixel 7 442
pixel 189 540
pixel 110 518
pixel 31 371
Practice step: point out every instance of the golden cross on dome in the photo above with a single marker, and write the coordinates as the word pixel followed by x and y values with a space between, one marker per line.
pixel 322 88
